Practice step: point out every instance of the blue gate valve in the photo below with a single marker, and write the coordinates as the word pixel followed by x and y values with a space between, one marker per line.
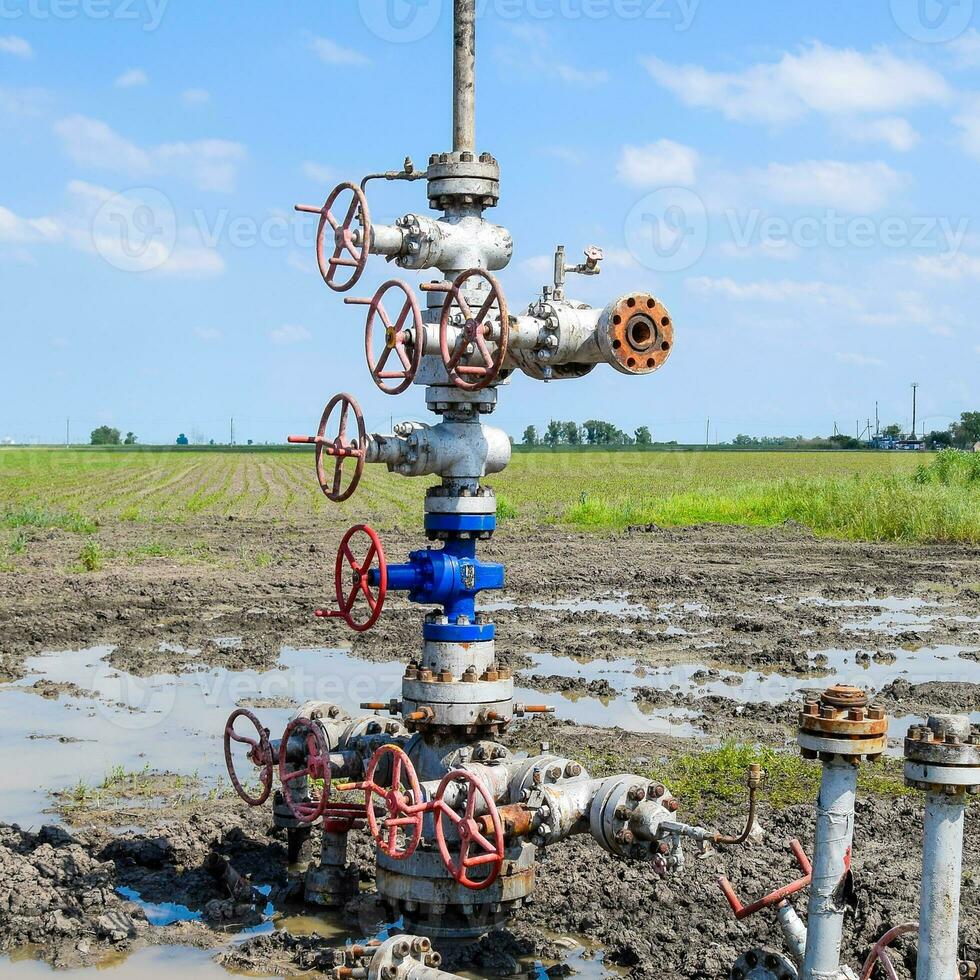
pixel 451 577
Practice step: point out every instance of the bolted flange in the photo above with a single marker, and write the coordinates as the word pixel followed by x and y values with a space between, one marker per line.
pixel 841 723
pixel 943 756
pixel 761 964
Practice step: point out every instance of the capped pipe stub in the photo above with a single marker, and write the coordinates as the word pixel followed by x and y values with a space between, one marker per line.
pixel 636 334
pixel 943 755
pixel 841 723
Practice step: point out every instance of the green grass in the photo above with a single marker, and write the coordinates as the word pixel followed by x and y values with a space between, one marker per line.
pixel 90 557
pixel 709 782
pixel 860 495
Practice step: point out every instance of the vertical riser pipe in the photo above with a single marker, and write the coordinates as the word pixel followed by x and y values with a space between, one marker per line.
pixel 831 860
pixel 942 867
pixel 464 75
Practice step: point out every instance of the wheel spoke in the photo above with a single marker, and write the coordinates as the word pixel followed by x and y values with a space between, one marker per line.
pixel 403 316
pixel 349 555
pixel 485 309
pixel 298 774
pixel 482 841
pixel 344 412
pixel 470 805
pixel 235 737
pixel 338 475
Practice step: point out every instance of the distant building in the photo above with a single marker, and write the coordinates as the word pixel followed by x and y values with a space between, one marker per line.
pixel 903 444
pixel 182 440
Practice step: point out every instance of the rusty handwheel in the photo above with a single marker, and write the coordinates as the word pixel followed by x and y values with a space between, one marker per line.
pixel 404 338
pixel 341 448
pixel 317 766
pixel 490 850
pixel 347 253
pixel 479 330
pixel 260 754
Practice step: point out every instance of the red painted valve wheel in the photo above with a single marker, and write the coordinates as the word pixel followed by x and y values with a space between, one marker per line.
pixel 346 252
pixel 317 766
pixel 405 340
pixel 400 800
pixel 356 578
pixel 340 448
pixel 260 753
pixel 490 853
pixel 477 329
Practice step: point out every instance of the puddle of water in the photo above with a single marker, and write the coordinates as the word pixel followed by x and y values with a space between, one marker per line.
pixel 154 963
pixel 161 914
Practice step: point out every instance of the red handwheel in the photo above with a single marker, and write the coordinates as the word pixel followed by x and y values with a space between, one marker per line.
pixel 400 802
pixel 260 753
pixel 490 853
pixel 406 340
pixel 316 766
pixel 340 448
pixel 347 253
pixel 351 573
pixel 477 329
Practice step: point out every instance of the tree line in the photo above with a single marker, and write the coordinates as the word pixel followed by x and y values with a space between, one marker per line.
pixel 595 432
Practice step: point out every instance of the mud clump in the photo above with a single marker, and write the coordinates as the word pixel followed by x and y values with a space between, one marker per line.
pixel 57 896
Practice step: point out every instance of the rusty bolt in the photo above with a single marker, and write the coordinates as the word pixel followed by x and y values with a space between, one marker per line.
pixel 659 791
pixel 636 794
pixel 411 673
pixel 433 960
pixel 876 713
pixel 621 813
pixel 421 945
pixel 663 847
pixel 672 806
pixel 573 769
pixel 952 738
pixel 811 708
pixel 624 837
pixel 389 973
pixel 469 675
pixel 402 948
pixel 856 714
pixel 554 773
pixel 492 674
pixel 425 674
pixel 446 677
pixel 828 711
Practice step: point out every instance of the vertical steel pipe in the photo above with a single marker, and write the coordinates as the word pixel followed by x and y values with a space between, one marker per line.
pixel 942 758
pixel 939 906
pixel 464 76
pixel 833 838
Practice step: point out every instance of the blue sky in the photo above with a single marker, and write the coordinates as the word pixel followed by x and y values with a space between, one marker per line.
pixel 796 181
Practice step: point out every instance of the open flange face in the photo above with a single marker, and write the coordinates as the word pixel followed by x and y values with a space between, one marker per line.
pixel 640 333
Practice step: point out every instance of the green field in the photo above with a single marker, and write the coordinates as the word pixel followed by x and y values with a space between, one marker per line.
pixel 864 496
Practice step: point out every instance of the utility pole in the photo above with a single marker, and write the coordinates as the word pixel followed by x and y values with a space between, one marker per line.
pixel 707 433
pixel 232 432
pixel 915 392
pixel 877 421
pixel 67 432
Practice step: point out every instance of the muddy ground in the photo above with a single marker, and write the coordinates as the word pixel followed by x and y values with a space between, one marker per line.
pixel 732 600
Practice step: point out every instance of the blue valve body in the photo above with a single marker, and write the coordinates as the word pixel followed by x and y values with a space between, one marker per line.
pixel 451 577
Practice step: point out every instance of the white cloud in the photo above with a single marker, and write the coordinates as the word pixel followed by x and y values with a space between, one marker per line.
pixel 15 230
pixel 661 164
pixel 318 173
pixel 859 187
pixel 818 79
pixel 530 52
pixel 765 290
pixel 949 268
pixel 210 165
pixel 17 46
pixel 80 228
pixel 331 53
pixel 966 49
pixel 23 101
pixel 968 121
pixel 290 334
pixel 195 96
pixel 131 79
pixel 894 131
pixel 859 360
